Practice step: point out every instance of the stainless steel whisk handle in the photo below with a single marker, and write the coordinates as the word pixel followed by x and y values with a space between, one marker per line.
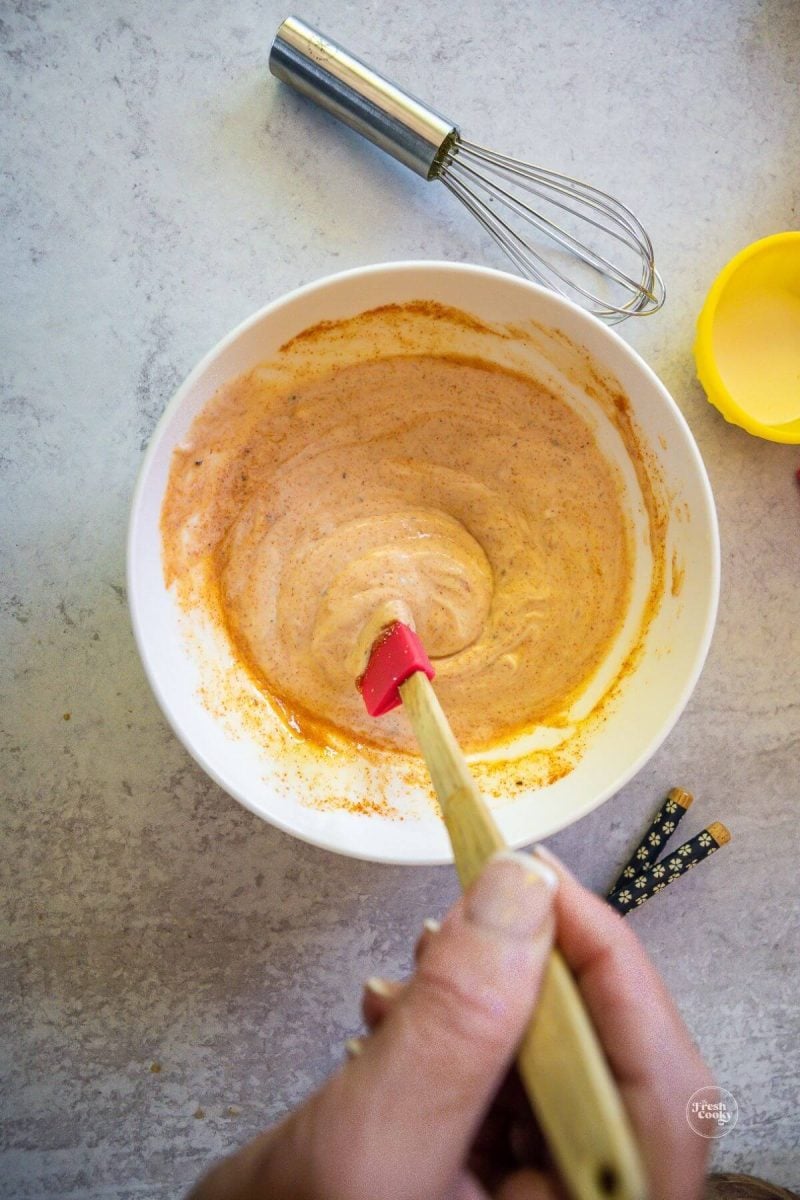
pixel 399 123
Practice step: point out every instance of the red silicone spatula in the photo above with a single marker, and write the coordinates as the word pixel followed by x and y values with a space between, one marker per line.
pixel 560 1059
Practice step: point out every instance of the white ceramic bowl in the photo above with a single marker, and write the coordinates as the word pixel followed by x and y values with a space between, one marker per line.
pixel 651 696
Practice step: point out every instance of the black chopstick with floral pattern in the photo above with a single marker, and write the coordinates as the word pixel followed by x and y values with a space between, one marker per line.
pixel 656 836
pixel 643 875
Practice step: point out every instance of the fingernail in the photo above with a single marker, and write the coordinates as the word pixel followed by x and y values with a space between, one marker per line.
pixel 531 865
pixel 431 925
pixel 378 987
pixel 513 896
pixel 353 1047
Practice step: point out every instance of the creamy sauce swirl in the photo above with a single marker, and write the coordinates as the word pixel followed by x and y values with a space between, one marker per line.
pixel 448 488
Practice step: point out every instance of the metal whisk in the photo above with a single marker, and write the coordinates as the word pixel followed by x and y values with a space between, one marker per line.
pixel 557 231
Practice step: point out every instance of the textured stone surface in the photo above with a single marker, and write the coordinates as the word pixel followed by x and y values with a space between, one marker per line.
pixel 158 186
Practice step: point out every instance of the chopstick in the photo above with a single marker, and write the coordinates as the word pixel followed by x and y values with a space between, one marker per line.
pixel 658 832
pixel 644 875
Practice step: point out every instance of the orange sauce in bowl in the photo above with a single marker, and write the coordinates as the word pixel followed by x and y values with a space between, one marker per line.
pixel 468 492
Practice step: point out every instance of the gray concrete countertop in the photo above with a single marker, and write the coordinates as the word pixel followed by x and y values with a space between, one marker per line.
pixel 175 972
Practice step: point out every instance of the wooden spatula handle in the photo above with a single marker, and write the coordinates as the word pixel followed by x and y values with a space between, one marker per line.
pixel 560 1060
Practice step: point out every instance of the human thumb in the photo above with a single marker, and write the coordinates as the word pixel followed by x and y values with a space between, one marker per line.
pixel 413 1100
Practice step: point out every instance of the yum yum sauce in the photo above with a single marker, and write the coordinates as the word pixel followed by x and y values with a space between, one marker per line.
pixel 464 490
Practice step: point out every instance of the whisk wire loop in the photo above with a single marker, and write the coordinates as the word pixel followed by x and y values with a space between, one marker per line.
pixel 560 235
pixel 534 266
pixel 566 185
pixel 464 170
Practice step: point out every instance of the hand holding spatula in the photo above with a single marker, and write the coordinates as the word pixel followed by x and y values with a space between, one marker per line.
pixel 560 1060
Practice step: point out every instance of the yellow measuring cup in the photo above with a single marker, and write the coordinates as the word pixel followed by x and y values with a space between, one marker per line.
pixel 747 348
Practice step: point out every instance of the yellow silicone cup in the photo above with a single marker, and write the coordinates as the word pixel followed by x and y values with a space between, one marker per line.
pixel 771 265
